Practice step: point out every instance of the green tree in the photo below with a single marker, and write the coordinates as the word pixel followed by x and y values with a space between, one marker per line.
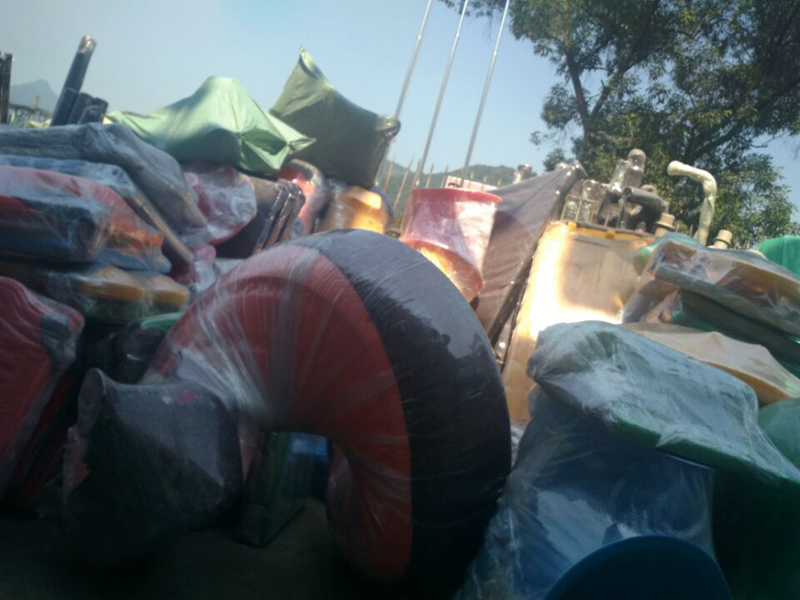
pixel 701 81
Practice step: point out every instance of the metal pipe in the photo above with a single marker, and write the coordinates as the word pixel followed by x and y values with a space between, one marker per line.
pixel 442 90
pixel 678 169
pixel 74 81
pixel 430 174
pixel 402 185
pixel 388 175
pixel 486 88
pixel 411 64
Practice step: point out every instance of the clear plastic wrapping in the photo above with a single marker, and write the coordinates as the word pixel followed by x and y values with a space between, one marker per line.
pixel 742 282
pixel 586 514
pixel 750 363
pixel 354 336
pixel 224 196
pixel 315 188
pixel 100 292
pixel 38 339
pixel 356 208
pixel 451 228
pixel 659 398
pixel 116 179
pixel 154 171
pixel 61 217
pixel 145 463
pixel 279 203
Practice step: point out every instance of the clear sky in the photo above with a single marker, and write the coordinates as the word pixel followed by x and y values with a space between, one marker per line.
pixel 153 52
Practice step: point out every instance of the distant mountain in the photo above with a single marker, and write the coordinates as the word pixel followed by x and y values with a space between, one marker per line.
pixel 25 93
pixel 496 176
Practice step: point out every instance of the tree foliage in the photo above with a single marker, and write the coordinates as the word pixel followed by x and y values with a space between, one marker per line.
pixel 701 81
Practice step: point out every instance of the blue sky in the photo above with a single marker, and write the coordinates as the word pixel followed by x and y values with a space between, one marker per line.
pixel 153 52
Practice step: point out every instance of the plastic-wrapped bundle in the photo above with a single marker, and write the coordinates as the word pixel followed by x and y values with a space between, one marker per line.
pixel 38 338
pixel 451 228
pixel 146 463
pixel 99 292
pixel 750 363
pixel 117 180
pixel 757 531
pixel 226 198
pixel 356 208
pixel 155 172
pixel 125 355
pixel 198 275
pixel 350 141
pixel 314 186
pixel 219 123
pixel 279 203
pixel 57 216
pixel 743 282
pixel 643 255
pixel 354 336
pixel 660 398
pixel 585 514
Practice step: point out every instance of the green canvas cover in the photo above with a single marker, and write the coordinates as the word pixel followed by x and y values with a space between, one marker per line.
pixel 219 123
pixel 351 141
pixel 659 398
pixel 784 251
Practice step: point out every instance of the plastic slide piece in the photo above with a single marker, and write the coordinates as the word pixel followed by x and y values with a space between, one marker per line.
pixel 155 172
pixel 354 336
pixel 220 123
pixel 38 339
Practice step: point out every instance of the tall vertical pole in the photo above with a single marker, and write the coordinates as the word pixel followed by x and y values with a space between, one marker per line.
pixel 430 174
pixel 388 175
pixel 485 88
pixel 402 185
pixel 442 90
pixel 411 63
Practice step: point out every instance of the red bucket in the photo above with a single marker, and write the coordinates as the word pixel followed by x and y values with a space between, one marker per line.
pixel 452 227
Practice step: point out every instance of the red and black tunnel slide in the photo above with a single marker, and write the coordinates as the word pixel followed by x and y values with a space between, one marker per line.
pixel 355 336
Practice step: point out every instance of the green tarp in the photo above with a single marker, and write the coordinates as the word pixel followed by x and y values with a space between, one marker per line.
pixel 351 141
pixel 219 123
pixel 784 251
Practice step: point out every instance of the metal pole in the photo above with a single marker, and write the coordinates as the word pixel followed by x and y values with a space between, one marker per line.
pixel 430 174
pixel 411 63
pixel 388 175
pixel 444 177
pixel 486 88
pixel 442 90
pixel 402 185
